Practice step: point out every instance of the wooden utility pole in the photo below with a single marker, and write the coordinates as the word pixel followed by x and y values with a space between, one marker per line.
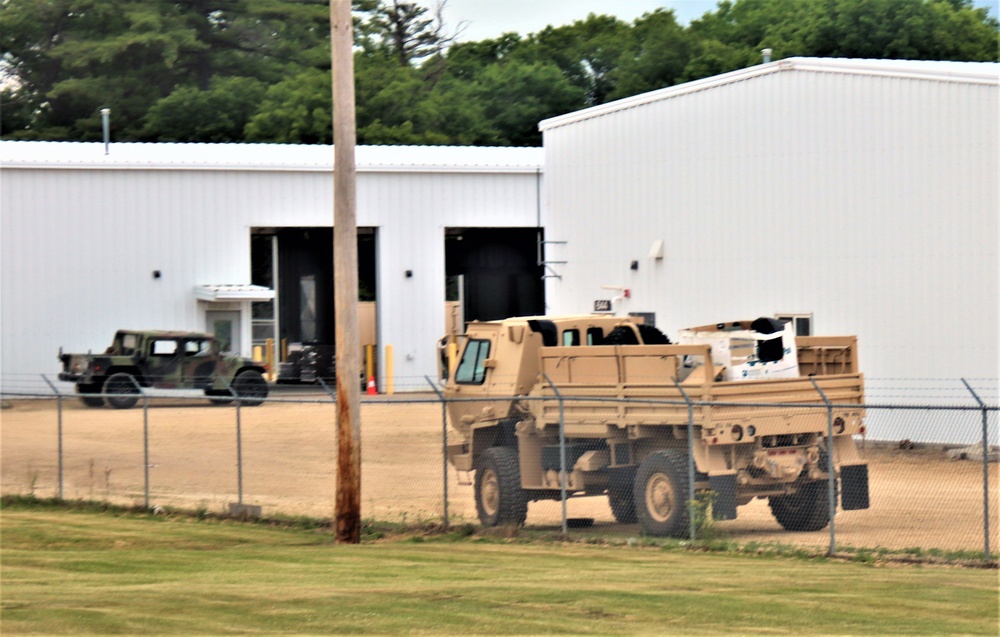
pixel 347 514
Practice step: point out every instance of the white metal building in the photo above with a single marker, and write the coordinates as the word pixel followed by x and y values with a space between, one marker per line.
pixel 157 236
pixel 860 194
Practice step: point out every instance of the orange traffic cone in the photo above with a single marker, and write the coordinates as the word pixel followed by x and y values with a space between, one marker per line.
pixel 371 386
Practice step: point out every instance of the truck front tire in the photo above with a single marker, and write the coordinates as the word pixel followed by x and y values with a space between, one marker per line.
pixel 661 494
pixel 500 499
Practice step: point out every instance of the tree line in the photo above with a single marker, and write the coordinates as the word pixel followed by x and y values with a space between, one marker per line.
pixel 259 70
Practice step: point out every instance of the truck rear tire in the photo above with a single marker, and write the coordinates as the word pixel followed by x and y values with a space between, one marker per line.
pixel 250 388
pixel 661 494
pixel 90 394
pixel 500 499
pixel 120 391
pixel 806 510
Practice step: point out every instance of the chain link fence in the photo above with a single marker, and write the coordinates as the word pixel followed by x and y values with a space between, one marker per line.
pixel 930 448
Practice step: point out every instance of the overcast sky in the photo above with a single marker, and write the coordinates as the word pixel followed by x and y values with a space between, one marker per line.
pixel 489 18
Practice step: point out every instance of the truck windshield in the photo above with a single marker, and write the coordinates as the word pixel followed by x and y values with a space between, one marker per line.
pixel 470 368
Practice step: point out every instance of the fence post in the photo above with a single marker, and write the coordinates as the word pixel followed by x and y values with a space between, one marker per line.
pixel 145 438
pixel 831 482
pixel 239 445
pixel 562 452
pixel 690 502
pixel 59 434
pixel 986 473
pixel 444 445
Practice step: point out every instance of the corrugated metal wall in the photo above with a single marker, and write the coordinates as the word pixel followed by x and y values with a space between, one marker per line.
pixel 869 201
pixel 79 247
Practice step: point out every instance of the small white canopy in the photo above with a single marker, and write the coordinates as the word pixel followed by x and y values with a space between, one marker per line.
pixel 231 292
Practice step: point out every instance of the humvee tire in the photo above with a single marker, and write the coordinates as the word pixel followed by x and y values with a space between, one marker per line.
pixel 120 391
pixel 499 497
pixel 661 494
pixel 250 388
pixel 806 510
pixel 219 396
pixel 90 395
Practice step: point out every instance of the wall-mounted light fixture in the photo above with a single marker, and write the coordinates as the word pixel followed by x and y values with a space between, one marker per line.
pixel 656 250
pixel 409 274
pixel 635 265
pixel 157 274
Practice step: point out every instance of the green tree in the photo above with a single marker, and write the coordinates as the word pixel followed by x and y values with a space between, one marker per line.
pixel 218 114
pixel 588 52
pixel 877 29
pixel 660 52
pixel 403 30
pixel 296 110
pixel 70 58
pixel 258 70
pixel 516 95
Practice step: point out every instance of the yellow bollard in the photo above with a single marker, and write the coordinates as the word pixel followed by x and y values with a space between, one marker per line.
pixel 284 349
pixel 369 361
pixel 258 353
pixel 269 357
pixel 390 385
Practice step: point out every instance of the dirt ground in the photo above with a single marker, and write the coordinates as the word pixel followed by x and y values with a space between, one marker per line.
pixel 919 498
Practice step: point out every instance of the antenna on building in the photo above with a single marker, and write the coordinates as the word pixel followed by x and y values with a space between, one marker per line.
pixel 106 125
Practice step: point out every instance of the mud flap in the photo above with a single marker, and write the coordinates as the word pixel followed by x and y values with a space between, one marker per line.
pixel 854 487
pixel 724 505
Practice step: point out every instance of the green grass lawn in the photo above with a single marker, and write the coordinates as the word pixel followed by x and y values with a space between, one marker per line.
pixel 79 571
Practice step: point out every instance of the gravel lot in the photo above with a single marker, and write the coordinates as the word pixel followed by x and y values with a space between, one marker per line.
pixel 919 497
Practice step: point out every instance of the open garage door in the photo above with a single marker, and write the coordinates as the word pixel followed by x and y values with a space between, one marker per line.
pixel 499 271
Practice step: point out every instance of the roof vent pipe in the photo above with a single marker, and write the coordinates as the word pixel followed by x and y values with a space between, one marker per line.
pixel 106 125
pixel 767 55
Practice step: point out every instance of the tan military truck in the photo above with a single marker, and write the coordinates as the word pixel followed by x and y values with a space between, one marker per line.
pixel 623 392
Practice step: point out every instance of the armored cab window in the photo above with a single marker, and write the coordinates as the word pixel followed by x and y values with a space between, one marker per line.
pixel 163 348
pixel 595 336
pixel 471 369
pixel 571 338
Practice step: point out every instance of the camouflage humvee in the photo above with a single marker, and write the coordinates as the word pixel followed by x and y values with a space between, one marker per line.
pixel 163 360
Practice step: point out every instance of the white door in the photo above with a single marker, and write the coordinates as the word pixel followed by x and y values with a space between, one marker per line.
pixel 226 327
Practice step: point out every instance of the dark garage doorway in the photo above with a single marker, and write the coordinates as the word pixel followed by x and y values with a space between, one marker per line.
pixel 304 260
pixel 499 271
